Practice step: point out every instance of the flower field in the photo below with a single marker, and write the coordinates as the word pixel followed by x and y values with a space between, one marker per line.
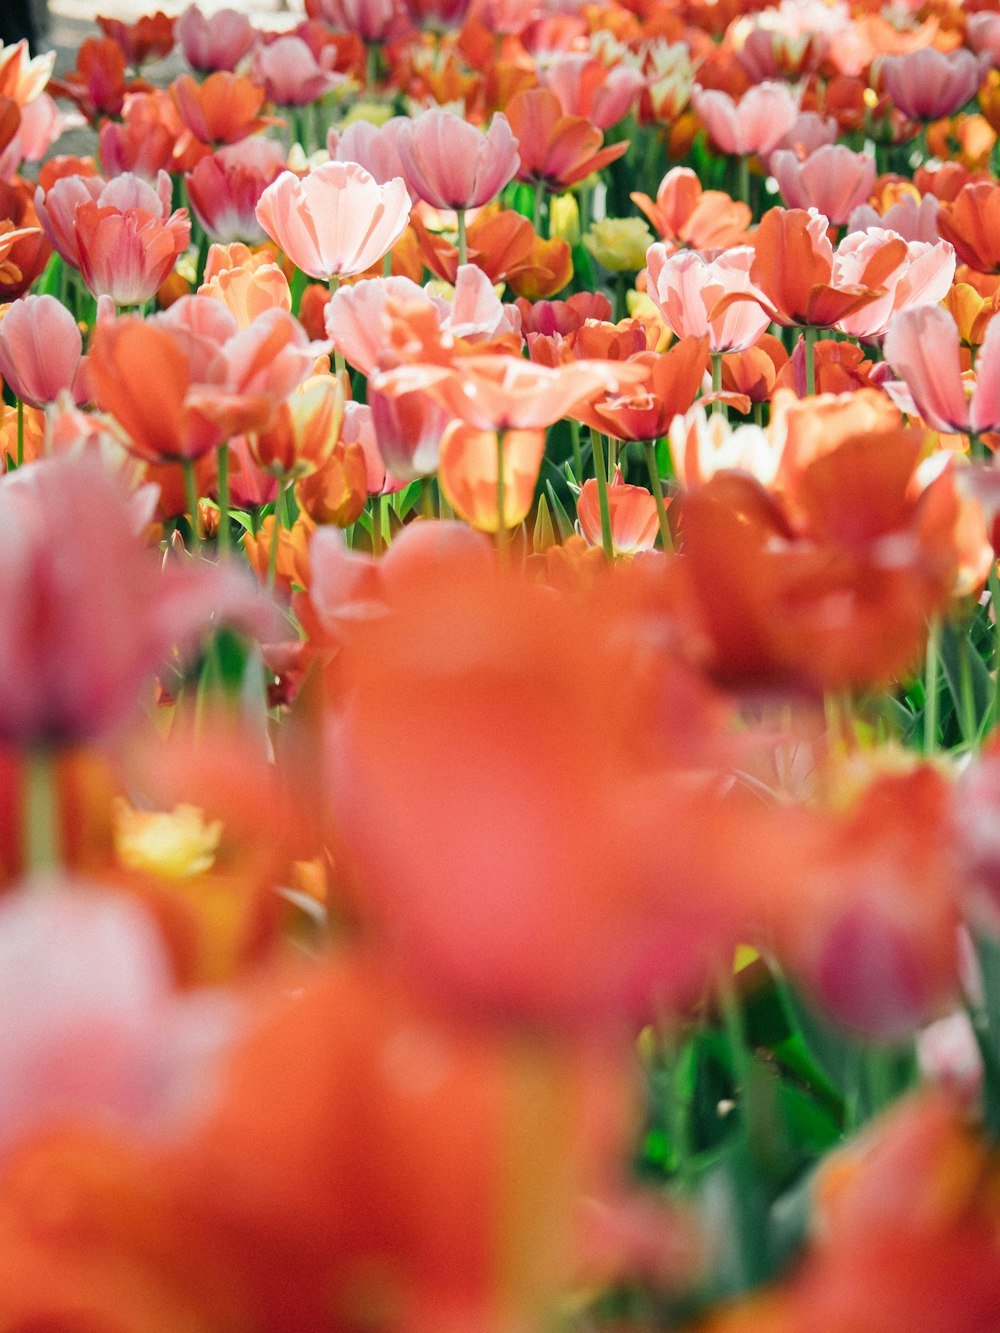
pixel 500 671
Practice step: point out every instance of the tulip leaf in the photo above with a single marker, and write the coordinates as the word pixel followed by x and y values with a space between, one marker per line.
pixel 968 679
pixel 563 520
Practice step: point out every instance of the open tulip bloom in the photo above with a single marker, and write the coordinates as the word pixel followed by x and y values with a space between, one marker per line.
pixel 500 670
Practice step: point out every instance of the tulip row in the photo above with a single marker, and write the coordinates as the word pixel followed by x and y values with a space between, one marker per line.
pixel 500 681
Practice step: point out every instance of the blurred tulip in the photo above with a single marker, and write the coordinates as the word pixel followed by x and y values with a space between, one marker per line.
pixel 929 84
pixel 289 73
pixel 685 215
pixel 970 223
pixel 222 110
pixel 833 180
pixel 556 149
pixel 468 470
pixel 216 41
pixel 754 124
pixel 587 88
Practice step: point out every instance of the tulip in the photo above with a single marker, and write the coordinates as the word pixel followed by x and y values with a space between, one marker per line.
pixel 374 147
pixel 223 109
pixel 556 150
pixel 489 478
pixel 587 88
pixel 450 164
pixel 754 124
pixel 290 74
pixel 372 20
pixel 336 222
pixel 633 516
pixel 87 621
pixel 214 41
pixel 928 84
pixel 833 180
pixel 923 278
pixel 57 206
pixel 128 254
pixel 687 291
pixel 970 223
pixel 922 346
pixel 225 189
pixel 247 284
pixel 685 215
pixel 41 351
pixel 143 142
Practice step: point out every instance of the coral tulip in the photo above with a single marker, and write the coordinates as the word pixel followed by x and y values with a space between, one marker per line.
pixel 223 109
pixel 634 518
pixel 468 471
pixel 128 254
pixel 686 215
pixel 971 222
pixel 556 149
pixel 336 222
pixel 225 189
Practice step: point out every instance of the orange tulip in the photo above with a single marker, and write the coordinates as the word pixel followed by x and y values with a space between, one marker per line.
pixel 667 389
pixel 634 518
pixel 546 271
pixel 972 224
pixel 336 492
pixel 468 470
pixel 556 149
pixel 686 215
pixel 223 109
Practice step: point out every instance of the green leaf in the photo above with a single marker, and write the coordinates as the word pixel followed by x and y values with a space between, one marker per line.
pixel 563 520
pixel 543 536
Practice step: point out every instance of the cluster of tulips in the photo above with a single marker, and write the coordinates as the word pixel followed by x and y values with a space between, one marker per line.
pixel 500 671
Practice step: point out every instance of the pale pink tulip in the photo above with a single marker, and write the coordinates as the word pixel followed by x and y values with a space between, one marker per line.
pixel 922 346
pixel 928 84
pixel 983 35
pixel 408 428
pixel 216 41
pixel 128 254
pixel 290 74
pixel 41 351
pixel 754 124
pixel 450 164
pixel 91 1027
pixel 337 221
pixel 358 427
pixel 225 188
pixel 374 147
pixel 912 220
pixel 833 180
pixel 810 131
pixel 923 278
pixel 687 290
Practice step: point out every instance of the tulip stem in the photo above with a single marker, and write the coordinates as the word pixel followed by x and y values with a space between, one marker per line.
pixel 20 432
pixel 809 338
pixel 463 246
pixel 601 473
pixel 502 547
pixel 932 672
pixel 976 447
pixel 574 435
pixel 716 379
pixel 224 542
pixel 536 211
pixel 280 517
pixel 191 491
pixel 339 364
pixel 426 498
pixel 42 850
pixel 371 67
pixel 657 485
pixel 743 178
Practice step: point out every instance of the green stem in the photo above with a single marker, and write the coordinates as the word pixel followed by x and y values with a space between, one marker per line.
pixel 536 209
pixel 601 472
pixel 371 67
pixel 191 491
pixel 42 837
pixel 657 485
pixel 809 335
pixel 743 179
pixel 280 521
pixel 932 675
pixel 224 533
pixel 976 447
pixel 967 700
pixel 339 364
pixel 574 435
pixel 426 498
pixel 463 247
pixel 716 379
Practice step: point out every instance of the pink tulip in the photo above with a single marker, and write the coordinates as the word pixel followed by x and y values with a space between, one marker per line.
pixel 450 164
pixel 92 1029
pixel 833 180
pixel 290 74
pixel 336 222
pixel 810 131
pixel 89 611
pixel 983 35
pixel 374 147
pixel 225 189
pixel 216 41
pixel 928 84
pixel 688 289
pixel 371 20
pixel 923 278
pixel 912 220
pixel 408 428
pixel 437 15
pixel 586 87
pixel 505 16
pixel 359 428
pixel 41 351
pixel 922 346
pixel 359 318
pixel 755 124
